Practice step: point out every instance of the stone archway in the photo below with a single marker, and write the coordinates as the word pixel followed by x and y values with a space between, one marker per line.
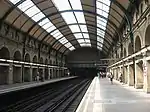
pixel 139 79
pixel 27 72
pixel 34 59
pixel 17 56
pixel 137 44
pixel 147 36
pixel 147 66
pixel 4 69
pixel 34 68
pixel 27 58
pixel 17 69
pixel 4 53
pixel 41 60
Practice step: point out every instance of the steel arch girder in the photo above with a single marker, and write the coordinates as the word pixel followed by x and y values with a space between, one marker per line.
pixel 114 1
pixel 67 35
pixel 79 24
pixel 83 42
pixel 62 54
pixel 109 43
pixel 74 23
pixel 64 11
pixel 53 6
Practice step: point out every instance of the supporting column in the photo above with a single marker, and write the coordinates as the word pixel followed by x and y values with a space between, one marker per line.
pixel 113 71
pixel 146 73
pixel 43 75
pixel 34 73
pixel 126 74
pixel 58 73
pixel 115 74
pixel 52 73
pixel 22 73
pixel 30 75
pixel 118 72
pixel 49 74
pixel 61 73
pixel 10 74
pixel 130 73
pixel 139 76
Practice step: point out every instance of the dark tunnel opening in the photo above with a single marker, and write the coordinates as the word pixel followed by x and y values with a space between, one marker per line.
pixel 84 72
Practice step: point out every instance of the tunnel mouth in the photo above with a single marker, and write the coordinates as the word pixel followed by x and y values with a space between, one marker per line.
pixel 84 72
pixel 4 72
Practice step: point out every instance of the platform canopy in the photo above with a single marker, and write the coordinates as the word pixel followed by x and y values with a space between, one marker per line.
pixel 68 24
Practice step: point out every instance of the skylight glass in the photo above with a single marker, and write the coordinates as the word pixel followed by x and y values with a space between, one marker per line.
pixel 38 16
pixel 30 9
pixel 73 17
pixel 74 28
pixel 85 44
pixel 46 26
pixel 71 48
pixel 87 40
pixel 81 40
pixel 80 17
pixel 86 36
pixel 103 7
pixel 76 4
pixel 69 17
pixel 78 35
pixel 26 5
pixel 83 28
pixel 68 45
pixel 98 47
pixel 63 40
pixel 14 1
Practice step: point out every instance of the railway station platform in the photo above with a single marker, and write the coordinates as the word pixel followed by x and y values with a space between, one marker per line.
pixel 102 96
pixel 21 86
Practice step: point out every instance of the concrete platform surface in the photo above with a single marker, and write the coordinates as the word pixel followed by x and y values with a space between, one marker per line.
pixel 25 85
pixel 101 96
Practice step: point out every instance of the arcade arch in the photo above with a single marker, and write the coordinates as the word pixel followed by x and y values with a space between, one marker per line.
pixel 17 68
pixel 27 73
pixel 4 68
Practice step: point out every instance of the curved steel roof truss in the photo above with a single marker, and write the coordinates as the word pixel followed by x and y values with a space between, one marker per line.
pixel 109 32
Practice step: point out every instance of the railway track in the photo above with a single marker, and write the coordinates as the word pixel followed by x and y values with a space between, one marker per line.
pixel 57 99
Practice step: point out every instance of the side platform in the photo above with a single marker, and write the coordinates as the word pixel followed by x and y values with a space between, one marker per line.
pixel 20 86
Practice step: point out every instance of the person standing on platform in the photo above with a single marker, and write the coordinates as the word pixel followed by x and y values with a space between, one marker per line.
pixel 111 77
pixel 121 78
